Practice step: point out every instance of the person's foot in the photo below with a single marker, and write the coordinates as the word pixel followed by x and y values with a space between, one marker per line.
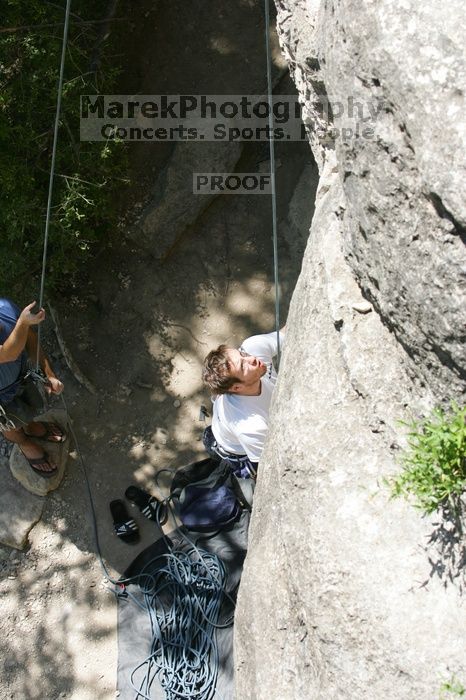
pixel 38 460
pixel 45 431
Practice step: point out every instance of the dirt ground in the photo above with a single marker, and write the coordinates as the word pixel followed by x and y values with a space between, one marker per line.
pixel 138 329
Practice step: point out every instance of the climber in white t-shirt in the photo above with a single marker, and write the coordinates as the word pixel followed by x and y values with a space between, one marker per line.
pixel 242 383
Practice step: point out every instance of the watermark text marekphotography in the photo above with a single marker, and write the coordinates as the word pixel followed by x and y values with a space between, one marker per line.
pixel 217 118
pixel 232 183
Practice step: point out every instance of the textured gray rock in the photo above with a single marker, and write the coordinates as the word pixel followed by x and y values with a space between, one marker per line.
pixel 403 211
pixel 19 509
pixel 173 207
pixel 216 57
pixel 342 596
pixel 332 602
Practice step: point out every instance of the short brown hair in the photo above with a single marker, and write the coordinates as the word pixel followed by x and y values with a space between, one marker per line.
pixel 217 371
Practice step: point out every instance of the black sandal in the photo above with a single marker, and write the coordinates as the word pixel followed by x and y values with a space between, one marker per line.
pixel 124 526
pixel 34 464
pixel 149 506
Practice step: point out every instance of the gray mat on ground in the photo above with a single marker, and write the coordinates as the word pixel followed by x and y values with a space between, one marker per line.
pixel 134 635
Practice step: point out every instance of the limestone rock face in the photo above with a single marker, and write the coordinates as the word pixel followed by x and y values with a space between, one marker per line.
pixel 346 593
pixel 173 207
pixel 222 58
pixel 19 509
pixel 398 71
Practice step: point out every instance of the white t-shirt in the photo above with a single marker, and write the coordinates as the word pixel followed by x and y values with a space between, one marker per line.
pixel 240 423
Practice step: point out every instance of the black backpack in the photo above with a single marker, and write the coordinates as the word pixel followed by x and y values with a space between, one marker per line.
pixel 206 496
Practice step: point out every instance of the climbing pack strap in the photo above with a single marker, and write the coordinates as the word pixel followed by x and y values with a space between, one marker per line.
pixel 243 490
pixel 240 465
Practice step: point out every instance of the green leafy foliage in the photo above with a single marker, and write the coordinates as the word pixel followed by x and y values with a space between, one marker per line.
pixel 452 688
pixel 434 464
pixel 88 175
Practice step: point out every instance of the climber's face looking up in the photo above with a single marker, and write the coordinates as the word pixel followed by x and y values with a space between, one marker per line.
pixel 231 371
pixel 247 369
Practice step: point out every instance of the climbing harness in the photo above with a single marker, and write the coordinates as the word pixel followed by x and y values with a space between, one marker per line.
pixel 272 177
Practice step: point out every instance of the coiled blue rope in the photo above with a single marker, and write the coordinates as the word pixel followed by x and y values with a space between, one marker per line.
pixel 182 598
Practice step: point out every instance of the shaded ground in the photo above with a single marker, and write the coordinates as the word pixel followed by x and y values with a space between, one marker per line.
pixel 139 329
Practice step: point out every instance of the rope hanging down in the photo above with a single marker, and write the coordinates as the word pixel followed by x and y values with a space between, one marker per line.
pixel 52 170
pixel 272 177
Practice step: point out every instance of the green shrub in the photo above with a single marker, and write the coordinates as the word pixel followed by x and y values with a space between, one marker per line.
pixel 452 687
pixel 87 174
pixel 434 464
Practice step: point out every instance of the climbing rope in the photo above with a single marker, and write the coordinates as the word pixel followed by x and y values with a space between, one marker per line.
pixel 182 599
pixel 182 592
pixel 272 176
pixel 52 169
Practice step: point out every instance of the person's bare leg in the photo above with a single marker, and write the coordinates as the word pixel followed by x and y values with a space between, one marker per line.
pixel 33 429
pixel 41 428
pixel 29 448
